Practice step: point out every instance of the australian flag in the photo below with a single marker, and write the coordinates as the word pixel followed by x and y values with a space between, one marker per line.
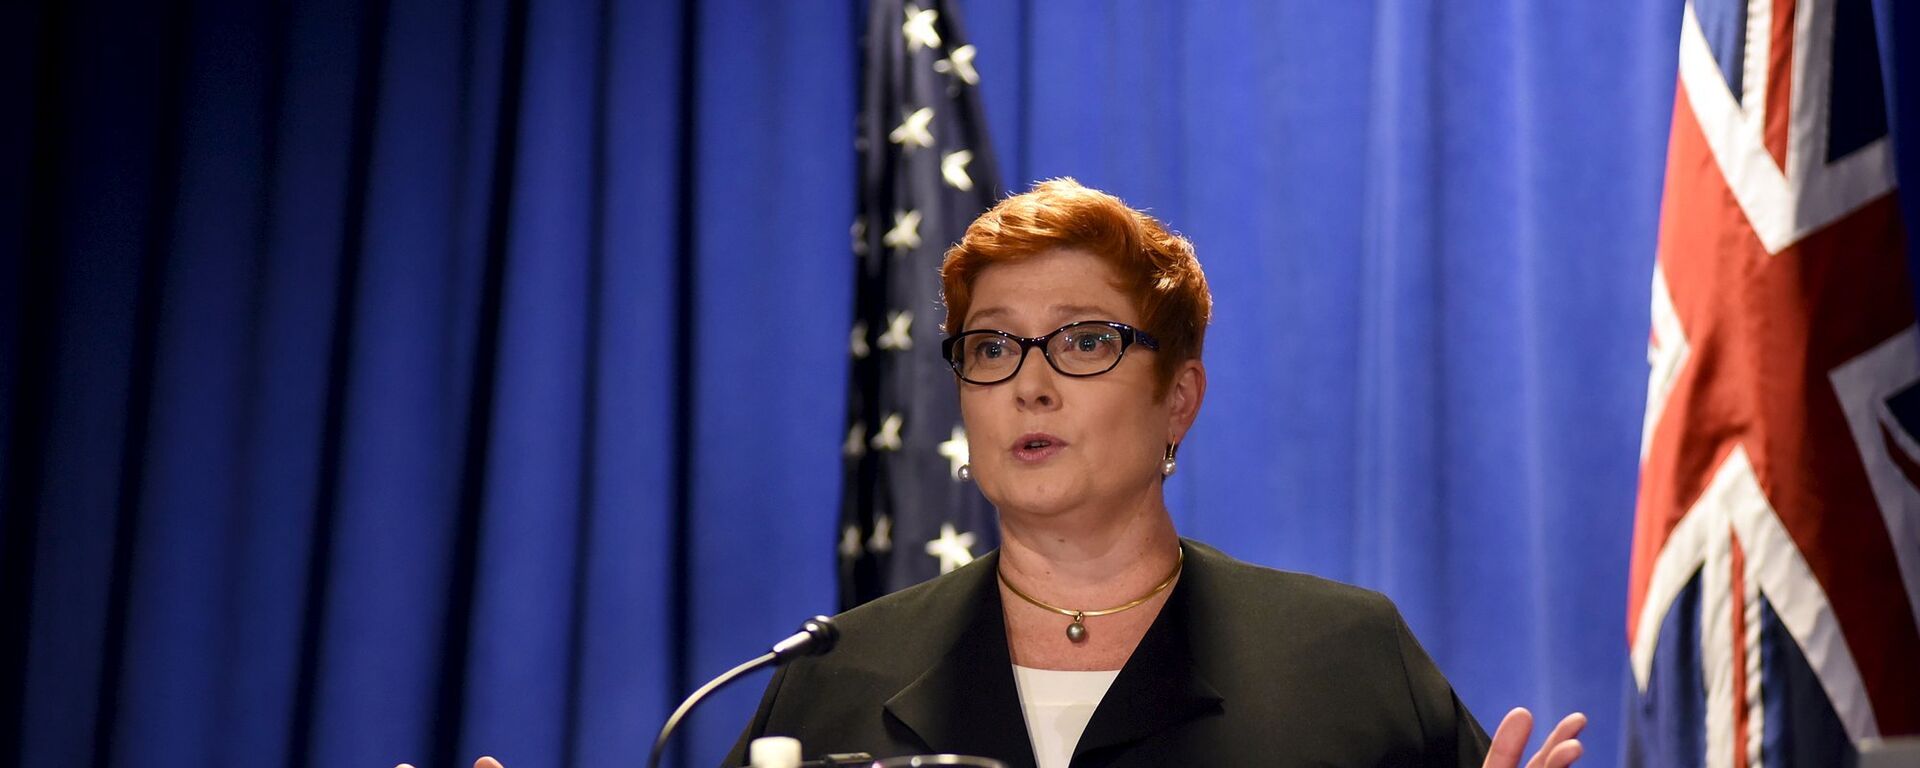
pixel 926 170
pixel 1775 585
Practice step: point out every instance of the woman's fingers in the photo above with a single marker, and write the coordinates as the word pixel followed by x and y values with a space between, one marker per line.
pixel 1564 733
pixel 1510 739
pixel 1565 753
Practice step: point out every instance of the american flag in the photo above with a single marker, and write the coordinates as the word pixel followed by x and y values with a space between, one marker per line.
pixel 1776 558
pixel 926 170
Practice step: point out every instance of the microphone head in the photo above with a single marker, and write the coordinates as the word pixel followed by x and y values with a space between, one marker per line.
pixel 824 635
pixel 816 636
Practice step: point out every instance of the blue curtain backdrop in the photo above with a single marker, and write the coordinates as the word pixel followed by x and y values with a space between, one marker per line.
pixel 409 380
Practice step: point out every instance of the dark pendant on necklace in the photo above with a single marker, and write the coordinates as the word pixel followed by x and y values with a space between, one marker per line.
pixel 1077 631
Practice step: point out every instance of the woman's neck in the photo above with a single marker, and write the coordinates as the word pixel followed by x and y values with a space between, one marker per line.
pixel 1084 565
pixel 1089 556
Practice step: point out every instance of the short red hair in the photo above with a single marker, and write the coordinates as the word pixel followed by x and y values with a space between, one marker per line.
pixel 1156 266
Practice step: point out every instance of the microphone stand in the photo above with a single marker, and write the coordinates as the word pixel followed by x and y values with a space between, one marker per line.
pixel 816 636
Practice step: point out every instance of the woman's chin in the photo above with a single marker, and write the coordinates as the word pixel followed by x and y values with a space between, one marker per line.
pixel 1038 503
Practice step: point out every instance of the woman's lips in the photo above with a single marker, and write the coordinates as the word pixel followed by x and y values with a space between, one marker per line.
pixel 1036 447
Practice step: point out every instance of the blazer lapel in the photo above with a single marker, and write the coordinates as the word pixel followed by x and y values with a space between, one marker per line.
pixel 966 703
pixel 1159 687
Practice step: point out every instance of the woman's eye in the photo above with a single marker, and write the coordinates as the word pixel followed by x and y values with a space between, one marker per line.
pixel 1089 342
pixel 990 349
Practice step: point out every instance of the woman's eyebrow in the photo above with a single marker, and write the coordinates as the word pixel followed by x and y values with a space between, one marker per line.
pixel 1069 312
pixel 1073 310
pixel 986 313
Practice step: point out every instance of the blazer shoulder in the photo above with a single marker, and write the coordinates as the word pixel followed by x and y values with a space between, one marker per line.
pixel 1246 582
pixel 933 594
pixel 927 614
pixel 1271 602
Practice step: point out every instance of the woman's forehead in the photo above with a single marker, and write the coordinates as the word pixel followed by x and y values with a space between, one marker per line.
pixel 1054 287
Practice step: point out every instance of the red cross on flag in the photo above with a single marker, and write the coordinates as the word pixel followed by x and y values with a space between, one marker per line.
pixel 1776 560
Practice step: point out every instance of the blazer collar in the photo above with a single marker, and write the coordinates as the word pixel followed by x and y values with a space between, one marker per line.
pixel 966 702
pixel 1160 686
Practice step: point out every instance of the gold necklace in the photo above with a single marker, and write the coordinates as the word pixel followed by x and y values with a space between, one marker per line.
pixel 1077 631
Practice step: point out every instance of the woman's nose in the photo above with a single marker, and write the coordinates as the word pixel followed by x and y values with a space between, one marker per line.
pixel 1033 384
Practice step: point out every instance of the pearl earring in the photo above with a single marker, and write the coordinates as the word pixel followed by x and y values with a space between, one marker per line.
pixel 965 473
pixel 1168 465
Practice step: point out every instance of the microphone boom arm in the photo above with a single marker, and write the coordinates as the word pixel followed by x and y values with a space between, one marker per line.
pixel 816 636
pixel 660 742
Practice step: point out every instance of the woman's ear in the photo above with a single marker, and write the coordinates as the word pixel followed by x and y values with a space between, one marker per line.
pixel 1184 394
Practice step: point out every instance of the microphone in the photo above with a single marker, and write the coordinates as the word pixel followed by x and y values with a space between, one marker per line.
pixel 816 636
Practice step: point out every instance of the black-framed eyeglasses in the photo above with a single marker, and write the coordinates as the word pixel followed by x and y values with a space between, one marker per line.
pixel 1085 348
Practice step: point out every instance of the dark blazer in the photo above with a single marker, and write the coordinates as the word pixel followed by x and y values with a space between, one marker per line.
pixel 1244 666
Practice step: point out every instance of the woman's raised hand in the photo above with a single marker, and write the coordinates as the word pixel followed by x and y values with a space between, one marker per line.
pixel 1562 746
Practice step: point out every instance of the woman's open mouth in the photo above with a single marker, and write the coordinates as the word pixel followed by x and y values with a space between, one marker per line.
pixel 1037 446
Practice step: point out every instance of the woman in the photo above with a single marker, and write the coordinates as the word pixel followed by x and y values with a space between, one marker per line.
pixel 1095 635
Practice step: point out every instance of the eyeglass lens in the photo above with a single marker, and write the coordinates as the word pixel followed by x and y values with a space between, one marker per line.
pixel 1076 351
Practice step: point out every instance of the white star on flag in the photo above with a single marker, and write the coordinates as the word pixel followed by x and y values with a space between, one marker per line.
pixel 856 445
pixel 955 449
pixel 882 540
pixel 889 437
pixel 905 235
pixel 919 28
pixel 859 233
pixel 953 548
pixel 850 542
pixel 953 168
pixel 899 334
pixel 858 340
pixel 913 130
pixel 959 63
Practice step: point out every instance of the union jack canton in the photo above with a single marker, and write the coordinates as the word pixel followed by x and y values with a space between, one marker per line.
pixel 1776 557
